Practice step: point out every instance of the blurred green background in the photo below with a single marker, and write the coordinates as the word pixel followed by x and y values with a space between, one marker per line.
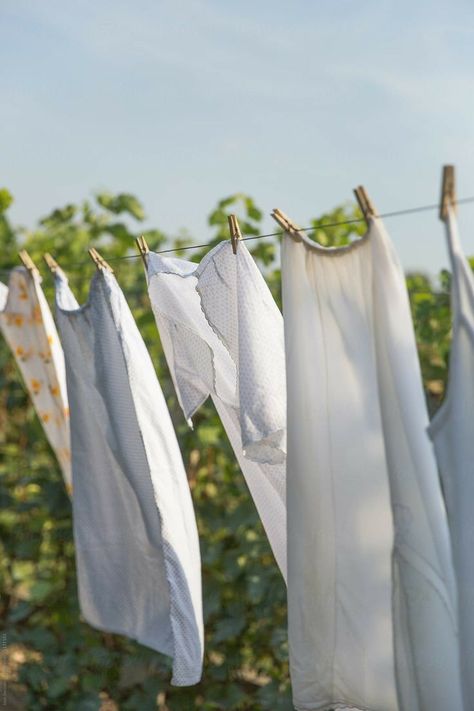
pixel 50 659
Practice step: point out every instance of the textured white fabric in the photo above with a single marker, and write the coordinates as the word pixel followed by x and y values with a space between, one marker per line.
pixel 222 334
pixel 239 307
pixel 452 430
pixel 137 548
pixel 28 327
pixel 371 591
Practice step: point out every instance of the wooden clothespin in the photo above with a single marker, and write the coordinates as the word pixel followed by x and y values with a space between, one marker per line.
pixel 235 233
pixel 285 223
pixel 28 262
pixel 448 191
pixel 99 261
pixel 142 248
pixel 365 203
pixel 51 262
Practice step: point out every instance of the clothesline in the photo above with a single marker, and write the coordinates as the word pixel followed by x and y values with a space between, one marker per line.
pixel 312 228
pixel 123 439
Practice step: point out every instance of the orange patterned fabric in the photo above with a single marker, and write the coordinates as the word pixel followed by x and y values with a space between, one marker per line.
pixel 29 329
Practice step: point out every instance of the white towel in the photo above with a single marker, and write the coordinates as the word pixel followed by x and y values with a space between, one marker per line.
pixel 452 430
pixel 222 334
pixel 28 327
pixel 364 622
pixel 137 548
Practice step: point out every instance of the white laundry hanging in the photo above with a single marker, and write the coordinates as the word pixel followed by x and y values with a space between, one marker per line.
pixel 222 334
pixel 137 548
pixel 371 594
pixel 28 327
pixel 452 430
pixel 240 308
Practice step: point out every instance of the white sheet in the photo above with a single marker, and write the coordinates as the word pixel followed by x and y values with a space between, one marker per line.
pixel 137 548
pixel 362 480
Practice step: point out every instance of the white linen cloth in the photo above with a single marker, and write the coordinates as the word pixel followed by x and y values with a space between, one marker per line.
pixel 452 431
pixel 29 329
pixel 371 591
pixel 222 334
pixel 137 548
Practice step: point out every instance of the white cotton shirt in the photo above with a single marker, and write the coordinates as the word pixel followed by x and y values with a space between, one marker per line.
pixel 222 334
pixel 452 430
pixel 28 327
pixel 371 597
pixel 137 549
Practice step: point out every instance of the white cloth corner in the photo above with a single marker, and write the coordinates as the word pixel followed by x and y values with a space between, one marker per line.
pixel 371 591
pixel 452 431
pixel 222 334
pixel 29 329
pixel 137 548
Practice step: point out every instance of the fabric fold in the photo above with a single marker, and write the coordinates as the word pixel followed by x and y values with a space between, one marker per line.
pixel 222 334
pixel 137 548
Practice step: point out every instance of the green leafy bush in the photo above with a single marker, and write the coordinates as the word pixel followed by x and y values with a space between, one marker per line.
pixel 59 661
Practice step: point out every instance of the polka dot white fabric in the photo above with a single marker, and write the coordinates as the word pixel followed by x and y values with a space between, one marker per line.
pixel 240 309
pixel 28 327
pixel 222 335
pixel 371 593
pixel 452 430
pixel 137 548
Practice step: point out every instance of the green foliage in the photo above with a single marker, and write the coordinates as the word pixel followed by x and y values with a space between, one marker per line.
pixel 6 199
pixel 68 665
pixel 338 235
pixel 432 318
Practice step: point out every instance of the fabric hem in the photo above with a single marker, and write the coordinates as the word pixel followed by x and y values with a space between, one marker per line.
pixel 189 681
pixel 192 681
pixel 153 270
pixel 332 706
pixel 330 251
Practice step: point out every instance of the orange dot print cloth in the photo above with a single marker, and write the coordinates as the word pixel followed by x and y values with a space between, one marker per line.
pixel 29 329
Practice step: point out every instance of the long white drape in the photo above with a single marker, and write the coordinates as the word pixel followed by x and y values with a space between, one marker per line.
pixel 371 593
pixel 452 430
pixel 137 548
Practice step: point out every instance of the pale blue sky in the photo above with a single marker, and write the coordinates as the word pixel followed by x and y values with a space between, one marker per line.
pixel 183 102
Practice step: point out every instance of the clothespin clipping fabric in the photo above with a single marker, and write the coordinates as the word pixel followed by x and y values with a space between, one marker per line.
pixel 99 261
pixel 28 262
pixel 235 233
pixel 448 191
pixel 142 248
pixel 285 223
pixel 51 262
pixel 365 203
